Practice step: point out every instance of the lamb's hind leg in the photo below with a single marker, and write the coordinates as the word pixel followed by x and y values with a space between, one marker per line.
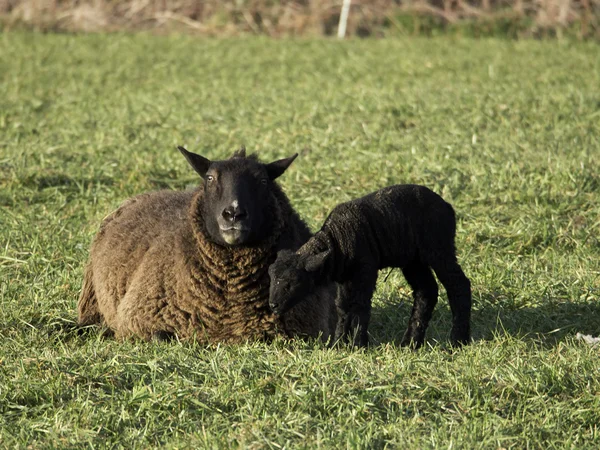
pixel 458 288
pixel 425 294
pixel 353 304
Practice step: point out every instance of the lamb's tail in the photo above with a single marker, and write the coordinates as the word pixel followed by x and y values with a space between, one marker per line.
pixel 87 306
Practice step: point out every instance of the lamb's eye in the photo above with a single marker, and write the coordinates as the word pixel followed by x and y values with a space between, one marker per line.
pixel 264 181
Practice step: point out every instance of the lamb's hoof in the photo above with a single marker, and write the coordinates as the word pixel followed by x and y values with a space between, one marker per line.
pixel 361 341
pixel 460 337
pixel 458 343
pixel 409 342
pixel 339 339
pixel 163 336
pixel 344 341
pixel 351 339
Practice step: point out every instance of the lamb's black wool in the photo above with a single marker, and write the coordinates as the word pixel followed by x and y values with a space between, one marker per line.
pixel 406 226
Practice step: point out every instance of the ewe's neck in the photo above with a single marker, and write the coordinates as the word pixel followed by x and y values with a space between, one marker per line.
pixel 234 264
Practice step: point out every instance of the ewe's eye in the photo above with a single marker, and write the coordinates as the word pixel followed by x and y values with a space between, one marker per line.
pixel 210 178
pixel 264 181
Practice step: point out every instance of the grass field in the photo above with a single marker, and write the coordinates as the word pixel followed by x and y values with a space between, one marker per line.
pixel 508 132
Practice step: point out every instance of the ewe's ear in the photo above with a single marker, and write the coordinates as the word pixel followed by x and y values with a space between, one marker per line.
pixel 276 168
pixel 199 163
pixel 316 262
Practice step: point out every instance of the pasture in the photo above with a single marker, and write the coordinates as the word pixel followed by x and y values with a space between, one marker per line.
pixel 507 131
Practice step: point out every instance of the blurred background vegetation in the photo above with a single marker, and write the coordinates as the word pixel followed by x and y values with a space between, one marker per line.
pixel 280 18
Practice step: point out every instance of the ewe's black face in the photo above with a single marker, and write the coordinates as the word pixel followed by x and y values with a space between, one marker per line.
pixel 237 196
pixel 290 282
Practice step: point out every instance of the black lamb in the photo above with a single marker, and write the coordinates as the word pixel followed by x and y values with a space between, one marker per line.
pixel 406 226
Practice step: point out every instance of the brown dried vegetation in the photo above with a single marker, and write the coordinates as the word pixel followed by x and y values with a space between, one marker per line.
pixel 298 17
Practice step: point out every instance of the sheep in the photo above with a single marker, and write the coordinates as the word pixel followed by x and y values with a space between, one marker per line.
pixel 193 264
pixel 405 226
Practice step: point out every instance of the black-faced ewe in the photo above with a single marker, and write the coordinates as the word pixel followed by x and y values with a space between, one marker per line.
pixel 194 264
pixel 404 226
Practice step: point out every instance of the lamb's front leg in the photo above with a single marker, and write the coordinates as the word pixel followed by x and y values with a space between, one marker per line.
pixel 458 288
pixel 353 304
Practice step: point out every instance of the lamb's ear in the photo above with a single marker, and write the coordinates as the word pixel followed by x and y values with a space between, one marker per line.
pixel 316 262
pixel 276 168
pixel 199 163
pixel 241 153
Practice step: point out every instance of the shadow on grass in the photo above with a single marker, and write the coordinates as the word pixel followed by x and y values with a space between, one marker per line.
pixel 59 328
pixel 546 324
pixel 157 179
pixel 63 181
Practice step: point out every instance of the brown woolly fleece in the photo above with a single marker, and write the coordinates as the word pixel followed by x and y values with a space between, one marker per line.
pixel 153 269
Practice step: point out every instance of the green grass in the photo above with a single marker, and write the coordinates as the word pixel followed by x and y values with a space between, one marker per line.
pixel 509 132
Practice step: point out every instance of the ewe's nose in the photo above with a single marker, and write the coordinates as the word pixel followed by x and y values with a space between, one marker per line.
pixel 234 213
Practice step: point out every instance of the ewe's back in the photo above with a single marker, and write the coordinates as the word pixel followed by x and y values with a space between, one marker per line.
pixel 148 219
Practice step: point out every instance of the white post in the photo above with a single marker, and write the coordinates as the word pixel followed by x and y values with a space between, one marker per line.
pixel 344 19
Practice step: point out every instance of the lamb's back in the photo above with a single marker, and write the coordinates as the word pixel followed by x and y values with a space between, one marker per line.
pixel 391 226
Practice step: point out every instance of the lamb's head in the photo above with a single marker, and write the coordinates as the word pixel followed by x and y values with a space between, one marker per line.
pixel 237 196
pixel 293 278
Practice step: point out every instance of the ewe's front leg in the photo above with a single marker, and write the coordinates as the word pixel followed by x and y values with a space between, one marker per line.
pixel 144 317
pixel 353 304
